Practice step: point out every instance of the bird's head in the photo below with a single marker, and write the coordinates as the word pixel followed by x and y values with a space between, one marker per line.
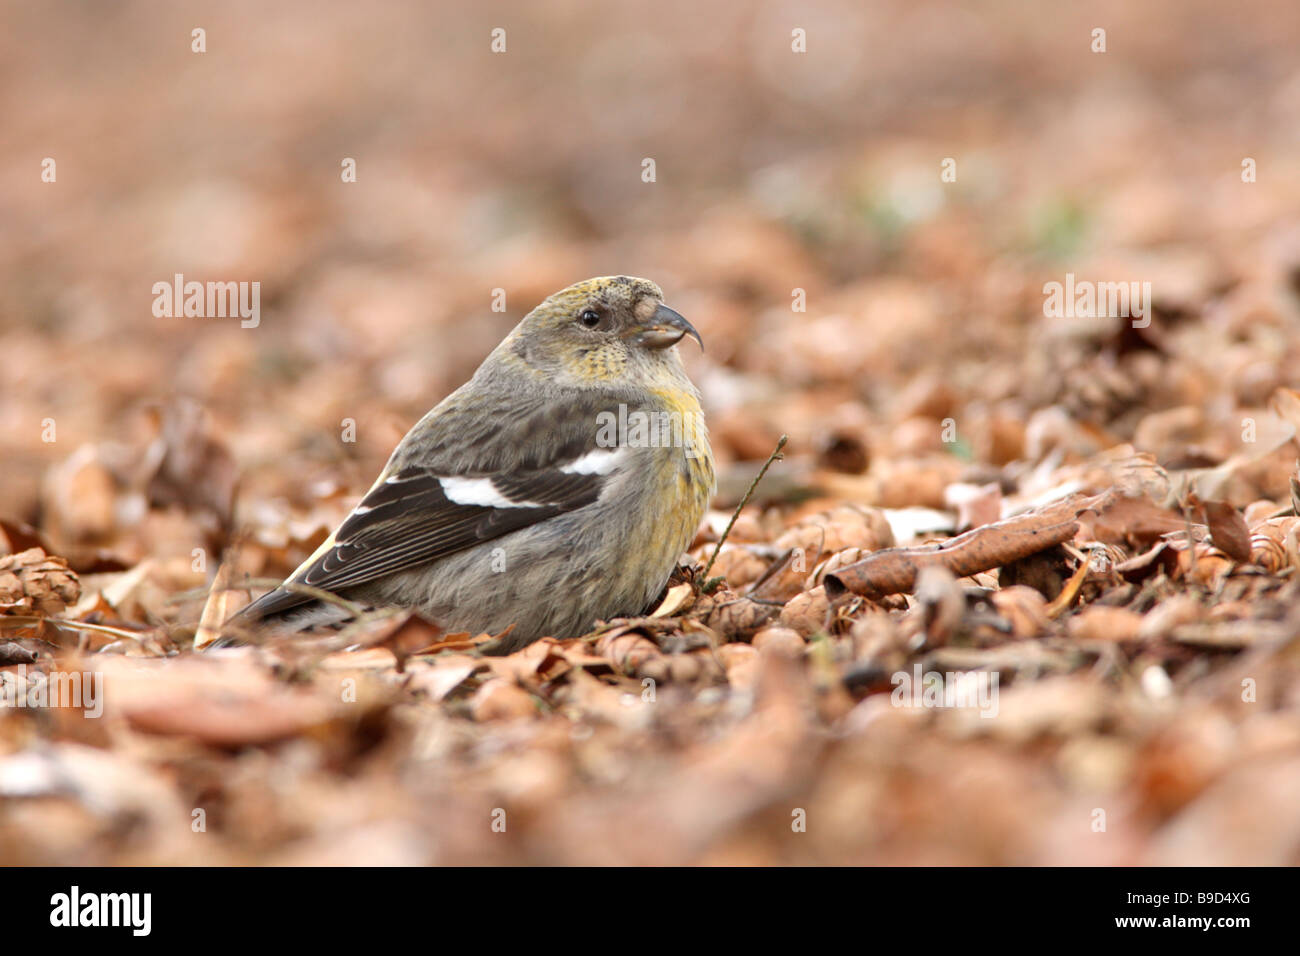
pixel 604 331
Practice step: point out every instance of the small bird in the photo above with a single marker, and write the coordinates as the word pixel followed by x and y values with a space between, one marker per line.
pixel 558 486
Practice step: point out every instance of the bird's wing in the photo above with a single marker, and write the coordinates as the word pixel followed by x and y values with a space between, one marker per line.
pixel 415 514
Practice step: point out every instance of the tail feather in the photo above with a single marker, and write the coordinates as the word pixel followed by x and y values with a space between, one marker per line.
pixel 283 610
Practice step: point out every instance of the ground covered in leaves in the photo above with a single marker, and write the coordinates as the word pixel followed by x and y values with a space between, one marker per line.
pixel 1021 589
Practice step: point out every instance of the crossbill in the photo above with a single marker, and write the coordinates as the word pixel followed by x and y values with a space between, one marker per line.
pixel 560 485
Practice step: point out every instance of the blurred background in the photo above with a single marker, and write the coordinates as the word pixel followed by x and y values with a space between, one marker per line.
pixel 778 174
pixel 522 171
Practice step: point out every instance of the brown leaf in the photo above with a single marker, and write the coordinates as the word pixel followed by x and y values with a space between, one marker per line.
pixel 21 536
pixel 632 653
pixel 895 570
pixel 32 582
pixel 11 653
pixel 737 617
pixel 1228 531
pixel 807 613
pixel 675 600
pixel 1131 520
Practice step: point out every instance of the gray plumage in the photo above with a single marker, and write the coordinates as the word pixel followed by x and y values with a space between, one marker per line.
pixel 508 506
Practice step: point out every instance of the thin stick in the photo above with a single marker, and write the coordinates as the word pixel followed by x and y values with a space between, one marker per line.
pixel 28 621
pixel 775 456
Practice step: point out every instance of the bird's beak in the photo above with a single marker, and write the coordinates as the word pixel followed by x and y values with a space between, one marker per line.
pixel 665 328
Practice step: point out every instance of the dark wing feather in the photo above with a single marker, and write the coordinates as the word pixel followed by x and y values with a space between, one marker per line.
pixel 475 433
pixel 408 520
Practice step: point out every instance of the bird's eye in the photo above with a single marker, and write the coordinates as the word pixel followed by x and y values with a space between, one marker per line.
pixel 590 318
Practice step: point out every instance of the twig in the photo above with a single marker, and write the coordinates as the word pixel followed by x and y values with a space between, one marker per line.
pixel 707 585
pixel 193 594
pixel 117 632
pixel 28 620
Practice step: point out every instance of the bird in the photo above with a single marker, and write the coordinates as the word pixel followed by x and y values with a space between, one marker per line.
pixel 558 487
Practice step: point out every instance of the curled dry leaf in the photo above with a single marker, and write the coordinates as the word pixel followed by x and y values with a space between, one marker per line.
pixel 1227 527
pixel 532 665
pixel 1063 601
pixel 839 559
pixel 737 617
pixel 1259 511
pixel 32 582
pixel 11 653
pixel 807 613
pixel 785 577
pixel 1131 520
pixel 739 565
pixel 1201 563
pixel 19 536
pixel 895 570
pixel 632 652
pixel 1160 557
pixel 675 600
pixel 1273 544
pixel 834 529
